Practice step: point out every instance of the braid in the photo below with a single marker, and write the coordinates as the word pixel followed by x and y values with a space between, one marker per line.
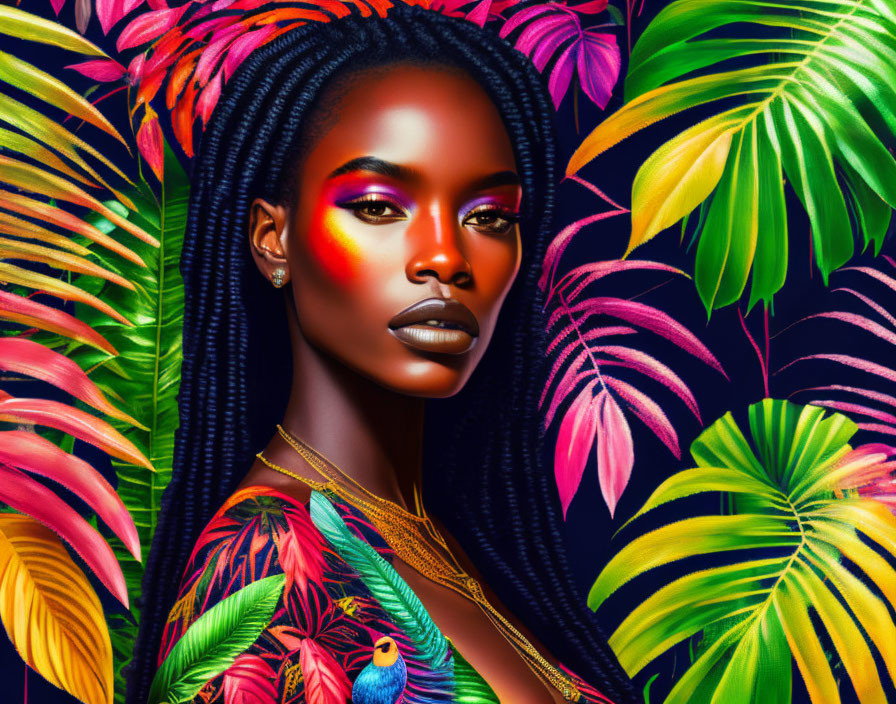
pixel 499 504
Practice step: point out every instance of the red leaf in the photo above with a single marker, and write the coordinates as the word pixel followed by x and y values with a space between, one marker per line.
pixel 25 311
pixel 301 552
pixel 615 450
pixel 574 440
pixel 31 452
pixel 250 680
pixel 33 359
pixel 73 421
pixel 325 681
pixel 151 144
pixel 31 497
pixel 183 117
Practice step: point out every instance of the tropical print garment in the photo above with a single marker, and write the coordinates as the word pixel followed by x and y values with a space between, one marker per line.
pixel 327 620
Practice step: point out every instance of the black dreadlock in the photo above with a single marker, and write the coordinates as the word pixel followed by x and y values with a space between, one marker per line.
pixel 499 503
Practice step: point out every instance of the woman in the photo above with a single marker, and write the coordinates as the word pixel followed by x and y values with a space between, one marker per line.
pixel 395 179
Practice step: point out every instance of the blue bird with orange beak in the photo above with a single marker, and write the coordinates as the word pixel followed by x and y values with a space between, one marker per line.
pixel 384 678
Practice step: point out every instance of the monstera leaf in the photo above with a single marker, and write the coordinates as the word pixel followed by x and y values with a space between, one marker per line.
pixel 783 589
pixel 814 102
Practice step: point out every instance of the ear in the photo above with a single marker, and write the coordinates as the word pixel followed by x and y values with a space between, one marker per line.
pixel 268 237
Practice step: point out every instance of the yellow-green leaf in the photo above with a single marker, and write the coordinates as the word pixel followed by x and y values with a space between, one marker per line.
pixel 678 177
pixel 23 25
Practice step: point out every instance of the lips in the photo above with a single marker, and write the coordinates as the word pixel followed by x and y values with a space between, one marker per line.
pixel 441 325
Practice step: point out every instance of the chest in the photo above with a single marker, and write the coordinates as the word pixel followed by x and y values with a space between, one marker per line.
pixel 483 646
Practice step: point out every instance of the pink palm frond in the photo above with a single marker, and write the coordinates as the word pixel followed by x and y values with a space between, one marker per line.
pixel 869 471
pixel 873 409
pixel 582 351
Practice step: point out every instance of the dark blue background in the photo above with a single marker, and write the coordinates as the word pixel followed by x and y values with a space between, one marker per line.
pixel 590 529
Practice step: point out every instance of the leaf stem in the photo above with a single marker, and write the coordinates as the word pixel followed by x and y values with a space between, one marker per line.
pixel 763 362
pixel 587 347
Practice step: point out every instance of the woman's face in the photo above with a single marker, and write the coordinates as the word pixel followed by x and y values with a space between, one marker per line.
pixel 401 243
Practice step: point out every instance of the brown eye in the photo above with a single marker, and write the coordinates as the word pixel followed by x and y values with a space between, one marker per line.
pixel 491 220
pixel 374 210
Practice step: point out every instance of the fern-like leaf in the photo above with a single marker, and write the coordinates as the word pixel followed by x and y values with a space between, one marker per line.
pixel 584 368
pixel 386 585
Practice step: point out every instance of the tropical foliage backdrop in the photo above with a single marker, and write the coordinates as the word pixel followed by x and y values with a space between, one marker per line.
pixel 721 310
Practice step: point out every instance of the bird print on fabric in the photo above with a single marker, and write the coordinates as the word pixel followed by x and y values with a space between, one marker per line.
pixel 384 678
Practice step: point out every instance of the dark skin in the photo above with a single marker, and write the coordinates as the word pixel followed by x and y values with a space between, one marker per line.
pixel 359 247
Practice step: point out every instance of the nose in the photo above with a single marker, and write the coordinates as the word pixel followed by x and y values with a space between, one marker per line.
pixel 436 250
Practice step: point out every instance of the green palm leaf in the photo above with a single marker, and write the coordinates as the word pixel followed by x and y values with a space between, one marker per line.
pixel 469 687
pixel 215 639
pixel 817 108
pixel 145 376
pixel 783 591
pixel 386 585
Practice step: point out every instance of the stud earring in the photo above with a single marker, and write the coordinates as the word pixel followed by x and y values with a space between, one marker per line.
pixel 278 277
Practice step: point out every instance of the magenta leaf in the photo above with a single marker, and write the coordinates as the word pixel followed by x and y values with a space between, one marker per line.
pixel 555 30
pixel 615 449
pixel 574 442
pixel 561 242
pixel 654 320
pixel 148 27
pixel 648 411
pixel 103 70
pixel 598 62
pixel 857 363
pixel 871 304
pixel 562 75
pixel 653 368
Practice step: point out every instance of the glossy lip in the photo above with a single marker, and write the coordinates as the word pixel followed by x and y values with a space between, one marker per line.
pixel 446 310
pixel 411 326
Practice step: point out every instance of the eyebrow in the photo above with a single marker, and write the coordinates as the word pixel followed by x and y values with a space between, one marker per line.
pixel 404 173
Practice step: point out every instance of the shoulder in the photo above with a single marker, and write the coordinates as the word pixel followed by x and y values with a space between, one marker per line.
pixel 259 532
pixel 321 619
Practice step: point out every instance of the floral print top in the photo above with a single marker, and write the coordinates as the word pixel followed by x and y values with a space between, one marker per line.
pixel 326 621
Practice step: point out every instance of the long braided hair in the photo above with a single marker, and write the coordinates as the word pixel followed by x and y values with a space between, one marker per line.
pixel 498 502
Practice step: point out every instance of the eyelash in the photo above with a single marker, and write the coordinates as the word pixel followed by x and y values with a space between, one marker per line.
pixel 359 204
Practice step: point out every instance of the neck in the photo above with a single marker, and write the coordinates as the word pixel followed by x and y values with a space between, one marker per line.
pixel 372 434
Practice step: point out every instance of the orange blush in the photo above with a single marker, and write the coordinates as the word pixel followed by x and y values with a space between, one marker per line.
pixel 332 246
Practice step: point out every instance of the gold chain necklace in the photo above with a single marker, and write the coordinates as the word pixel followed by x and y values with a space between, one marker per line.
pixel 411 537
